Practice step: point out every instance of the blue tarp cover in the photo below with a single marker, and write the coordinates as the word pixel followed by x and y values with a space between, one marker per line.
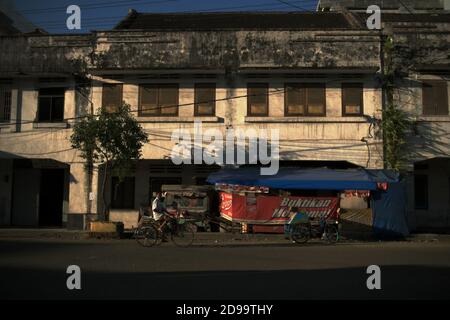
pixel 389 211
pixel 303 179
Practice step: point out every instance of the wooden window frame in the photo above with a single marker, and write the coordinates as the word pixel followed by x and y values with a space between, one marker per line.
pixel 204 85
pixel 5 104
pixel 51 96
pixel 344 100
pixel 305 86
pixel 435 111
pixel 249 98
pixel 158 114
pixel 112 84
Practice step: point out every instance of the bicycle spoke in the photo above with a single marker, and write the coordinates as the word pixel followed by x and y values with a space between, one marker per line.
pixel 183 234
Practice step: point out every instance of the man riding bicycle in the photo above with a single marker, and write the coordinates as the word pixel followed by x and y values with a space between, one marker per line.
pixel 160 213
pixel 158 207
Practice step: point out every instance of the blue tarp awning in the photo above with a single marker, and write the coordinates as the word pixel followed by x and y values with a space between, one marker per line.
pixel 304 179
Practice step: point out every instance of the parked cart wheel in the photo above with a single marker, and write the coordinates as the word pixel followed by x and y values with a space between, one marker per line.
pixel 300 233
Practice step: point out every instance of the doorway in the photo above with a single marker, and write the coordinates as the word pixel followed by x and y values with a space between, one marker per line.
pixel 51 198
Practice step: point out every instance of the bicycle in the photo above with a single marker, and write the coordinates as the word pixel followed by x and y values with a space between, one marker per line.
pixel 181 231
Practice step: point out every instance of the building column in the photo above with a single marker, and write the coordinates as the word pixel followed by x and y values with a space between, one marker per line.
pixel 82 196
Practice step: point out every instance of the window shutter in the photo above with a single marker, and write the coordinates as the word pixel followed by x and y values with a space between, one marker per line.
pixel 316 99
pixel 352 97
pixel 428 100
pixel 257 99
pixel 435 98
pixel 205 96
pixel 5 104
pixel 295 100
pixel 112 97
pixel 168 99
pixel 441 94
pixel 148 103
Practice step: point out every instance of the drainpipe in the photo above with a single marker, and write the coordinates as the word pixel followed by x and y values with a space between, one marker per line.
pixel 383 39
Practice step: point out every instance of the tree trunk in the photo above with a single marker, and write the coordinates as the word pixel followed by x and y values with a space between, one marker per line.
pixel 105 203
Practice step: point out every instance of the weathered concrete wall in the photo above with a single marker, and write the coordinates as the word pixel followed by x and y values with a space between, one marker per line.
pixel 44 54
pixel 438 213
pixel 189 50
pixel 430 137
pixel 236 49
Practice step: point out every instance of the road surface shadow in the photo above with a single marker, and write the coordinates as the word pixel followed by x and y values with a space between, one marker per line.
pixel 398 282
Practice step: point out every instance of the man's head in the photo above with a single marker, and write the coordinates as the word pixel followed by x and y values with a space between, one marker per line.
pixel 161 195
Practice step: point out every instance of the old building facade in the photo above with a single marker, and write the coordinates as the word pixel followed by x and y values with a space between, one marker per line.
pixel 315 77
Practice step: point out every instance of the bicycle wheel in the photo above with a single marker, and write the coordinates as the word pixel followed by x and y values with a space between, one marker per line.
pixel 331 234
pixel 300 233
pixel 183 234
pixel 147 236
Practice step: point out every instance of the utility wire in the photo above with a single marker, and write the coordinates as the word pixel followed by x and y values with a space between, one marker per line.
pixel 108 4
pixel 140 110
pixel 406 7
pixel 268 6
pixel 290 4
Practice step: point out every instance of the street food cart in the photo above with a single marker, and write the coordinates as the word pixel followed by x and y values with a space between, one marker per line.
pixel 251 198
pixel 199 204
pixel 260 211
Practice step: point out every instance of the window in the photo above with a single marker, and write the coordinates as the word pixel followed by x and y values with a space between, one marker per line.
pixel 205 96
pixel 435 98
pixel 421 191
pixel 352 99
pixel 258 99
pixel 158 100
pixel 5 105
pixel 305 99
pixel 122 195
pixel 112 96
pixel 51 105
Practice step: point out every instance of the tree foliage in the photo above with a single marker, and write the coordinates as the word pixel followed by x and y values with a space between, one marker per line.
pixel 395 123
pixel 113 140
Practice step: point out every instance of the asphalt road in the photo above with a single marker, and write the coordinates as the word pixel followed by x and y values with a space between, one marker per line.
pixel 123 270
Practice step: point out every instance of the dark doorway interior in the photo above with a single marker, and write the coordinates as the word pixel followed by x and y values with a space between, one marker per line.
pixel 51 198
pixel 122 195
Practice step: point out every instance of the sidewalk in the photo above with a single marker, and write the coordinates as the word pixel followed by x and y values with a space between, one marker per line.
pixel 219 239
pixel 62 234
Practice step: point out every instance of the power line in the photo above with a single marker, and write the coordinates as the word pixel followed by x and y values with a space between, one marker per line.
pixel 262 5
pixel 140 110
pixel 406 7
pixel 109 4
pixel 290 4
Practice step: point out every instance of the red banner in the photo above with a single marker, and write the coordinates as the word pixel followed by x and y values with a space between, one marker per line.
pixel 259 209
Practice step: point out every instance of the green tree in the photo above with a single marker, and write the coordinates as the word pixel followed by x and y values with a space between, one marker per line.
pixel 113 140
pixel 395 124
